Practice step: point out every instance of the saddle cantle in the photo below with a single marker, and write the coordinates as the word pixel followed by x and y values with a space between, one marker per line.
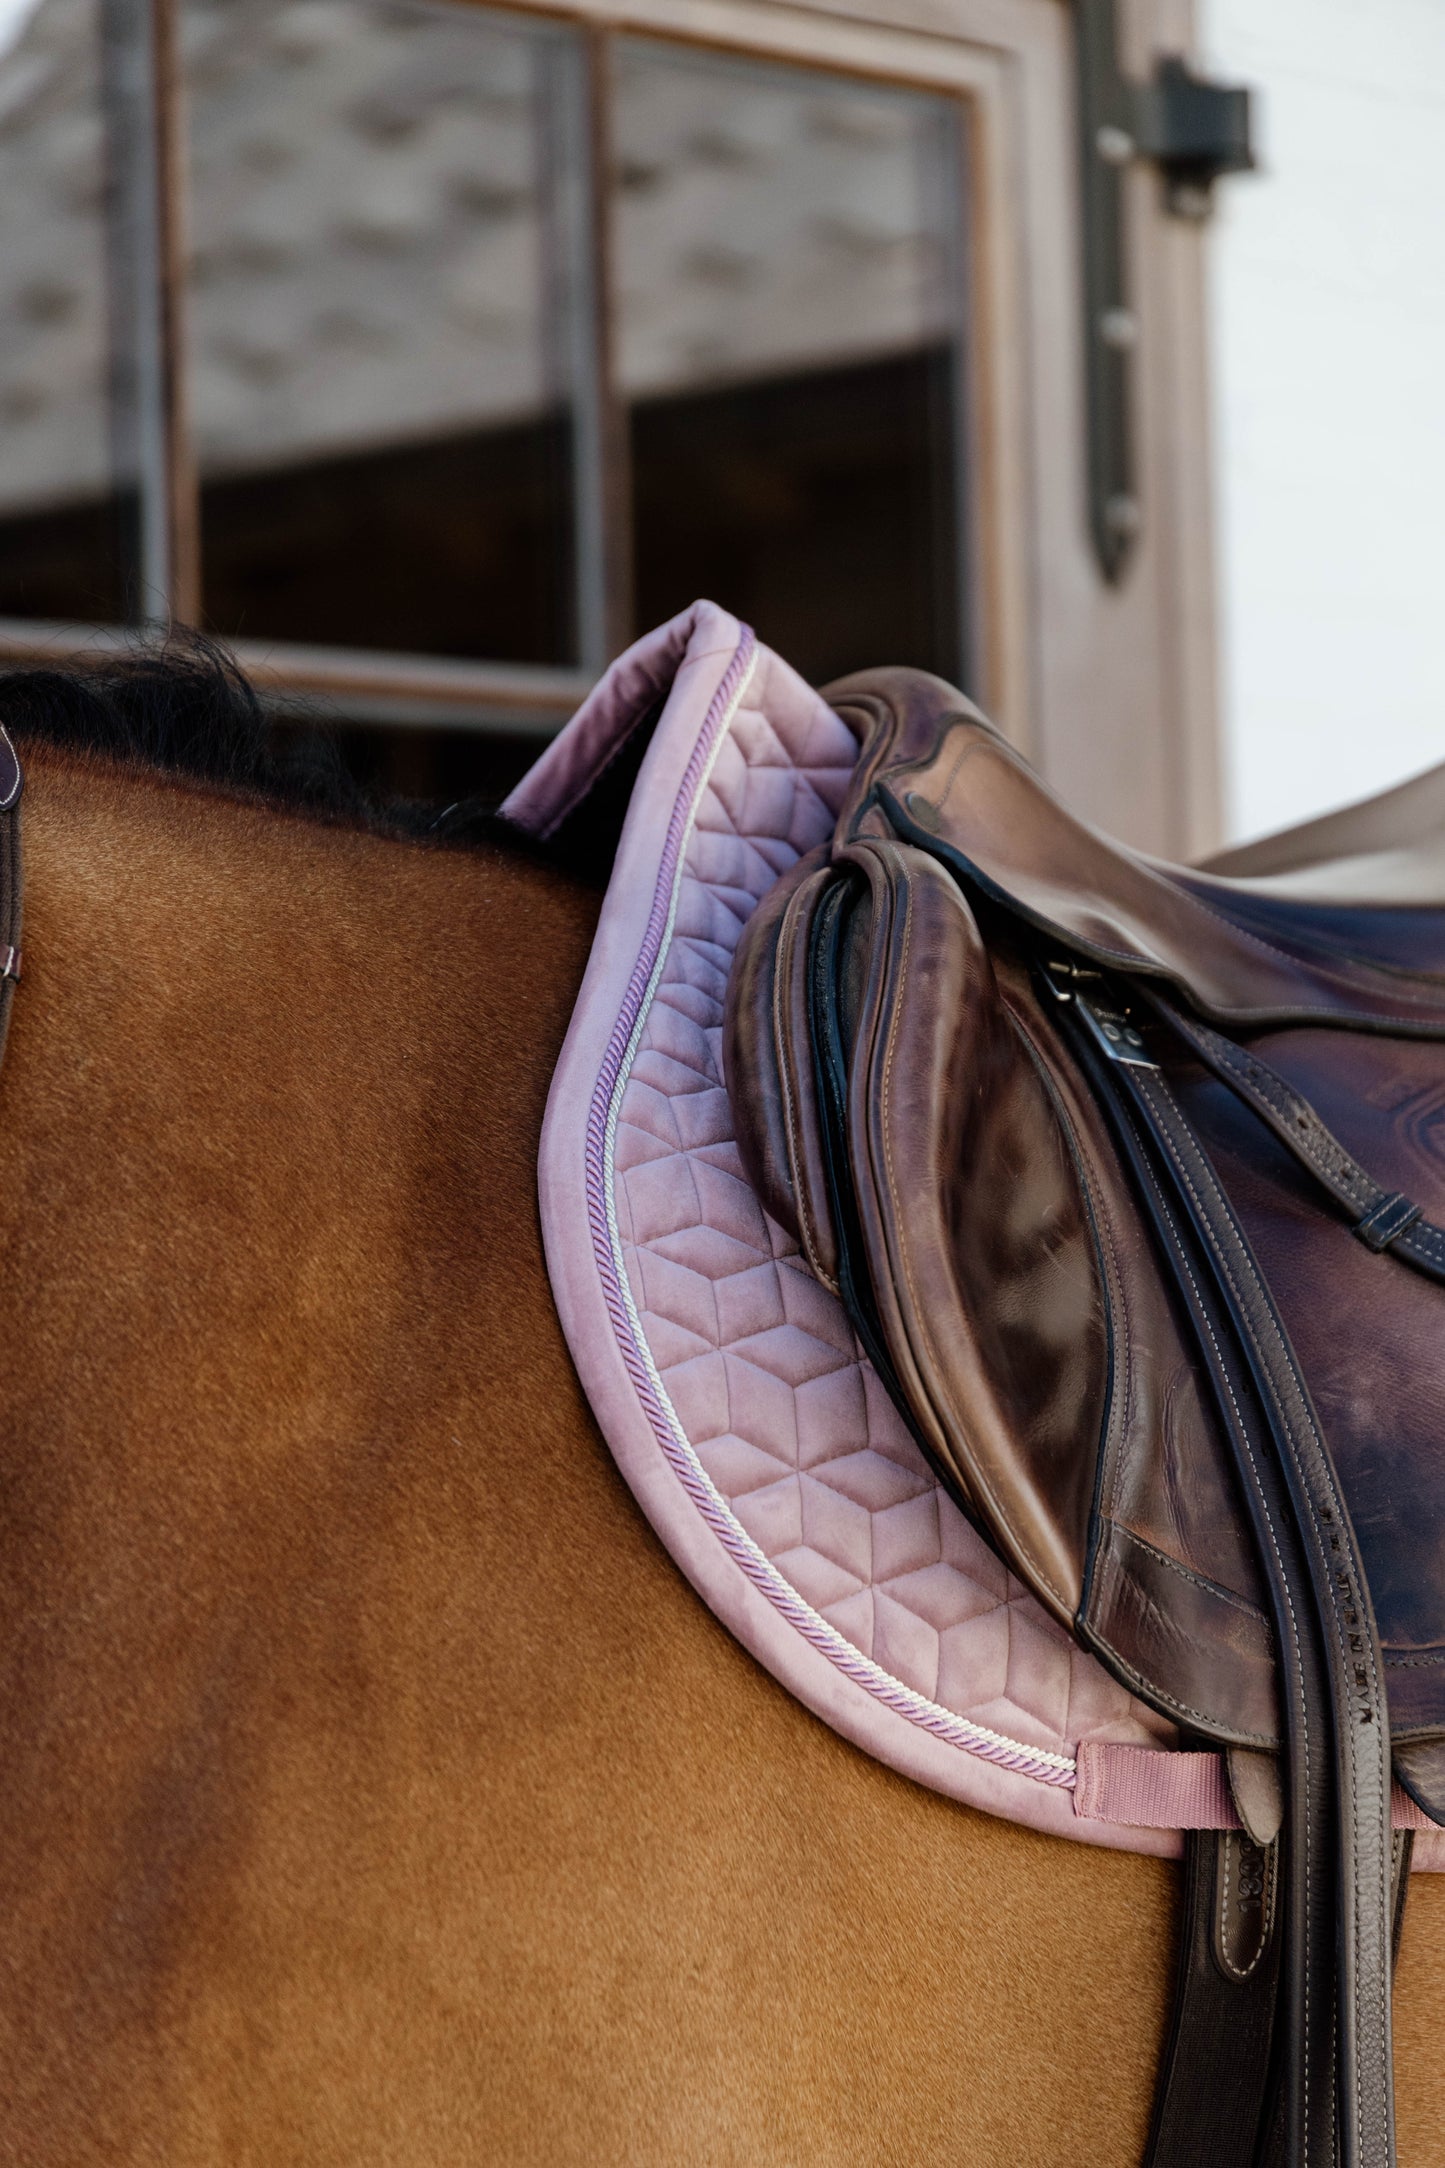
pixel 1132 1181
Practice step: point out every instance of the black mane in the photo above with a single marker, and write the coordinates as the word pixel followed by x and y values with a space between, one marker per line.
pixel 182 704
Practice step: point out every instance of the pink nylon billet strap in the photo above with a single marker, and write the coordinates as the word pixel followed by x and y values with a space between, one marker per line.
pixel 1142 1788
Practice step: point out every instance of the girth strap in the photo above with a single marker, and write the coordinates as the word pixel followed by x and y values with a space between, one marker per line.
pixel 1336 1961
pixel 1213 2092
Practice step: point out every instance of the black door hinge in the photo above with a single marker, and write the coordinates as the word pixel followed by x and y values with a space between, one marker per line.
pixel 1193 131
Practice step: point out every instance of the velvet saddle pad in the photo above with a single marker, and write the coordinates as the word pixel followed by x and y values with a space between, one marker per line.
pixel 725 1378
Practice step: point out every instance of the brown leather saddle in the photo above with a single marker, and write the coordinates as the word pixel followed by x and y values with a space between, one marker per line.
pixel 1132 1179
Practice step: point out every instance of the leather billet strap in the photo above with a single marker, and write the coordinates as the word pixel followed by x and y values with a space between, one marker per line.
pixel 1338 1843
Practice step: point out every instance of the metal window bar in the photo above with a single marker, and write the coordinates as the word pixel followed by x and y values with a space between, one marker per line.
pixel 955 175
pixel 573 165
pixel 610 475
pixel 145 246
pixel 365 685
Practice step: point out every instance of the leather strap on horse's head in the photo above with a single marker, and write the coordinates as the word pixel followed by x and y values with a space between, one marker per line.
pixel 12 783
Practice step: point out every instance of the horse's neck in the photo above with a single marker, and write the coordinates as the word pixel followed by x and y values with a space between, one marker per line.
pixel 277 1320
pixel 270 1114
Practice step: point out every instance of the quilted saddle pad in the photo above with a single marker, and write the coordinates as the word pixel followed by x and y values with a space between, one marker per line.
pixel 725 1378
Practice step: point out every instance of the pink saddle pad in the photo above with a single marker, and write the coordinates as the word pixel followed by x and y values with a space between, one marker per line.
pixel 726 1380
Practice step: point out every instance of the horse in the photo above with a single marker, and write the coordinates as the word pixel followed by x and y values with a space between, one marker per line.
pixel 374 1788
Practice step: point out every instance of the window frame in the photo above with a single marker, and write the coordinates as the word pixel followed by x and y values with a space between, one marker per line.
pixel 1110 690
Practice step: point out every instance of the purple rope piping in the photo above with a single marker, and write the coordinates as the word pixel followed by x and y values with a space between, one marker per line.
pixel 953 1730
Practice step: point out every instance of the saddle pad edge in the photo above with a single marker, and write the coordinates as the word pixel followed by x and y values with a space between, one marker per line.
pixel 561 776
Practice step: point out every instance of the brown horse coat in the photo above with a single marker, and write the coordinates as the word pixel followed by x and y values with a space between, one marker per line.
pixel 372 1789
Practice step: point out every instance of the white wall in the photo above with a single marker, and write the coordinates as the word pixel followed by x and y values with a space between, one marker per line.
pixel 1328 313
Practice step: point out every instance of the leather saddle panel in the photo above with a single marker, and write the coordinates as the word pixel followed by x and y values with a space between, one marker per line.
pixel 973 1220
pixel 1388 934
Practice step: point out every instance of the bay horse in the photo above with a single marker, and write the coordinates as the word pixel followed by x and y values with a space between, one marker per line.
pixel 372 1787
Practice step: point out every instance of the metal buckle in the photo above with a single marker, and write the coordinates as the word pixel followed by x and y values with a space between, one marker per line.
pixel 1109 1025
pixel 1116 1036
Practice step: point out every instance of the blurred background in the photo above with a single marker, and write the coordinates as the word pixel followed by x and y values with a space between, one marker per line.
pixel 1327 305
pixel 429 352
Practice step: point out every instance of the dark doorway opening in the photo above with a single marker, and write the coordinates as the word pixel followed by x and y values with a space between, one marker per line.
pixel 821 507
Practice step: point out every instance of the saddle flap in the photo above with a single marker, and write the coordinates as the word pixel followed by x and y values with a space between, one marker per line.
pixel 1023 1319
pixel 1125 1281
pixel 907 1109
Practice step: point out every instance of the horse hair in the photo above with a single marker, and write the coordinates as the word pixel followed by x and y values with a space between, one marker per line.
pixel 181 704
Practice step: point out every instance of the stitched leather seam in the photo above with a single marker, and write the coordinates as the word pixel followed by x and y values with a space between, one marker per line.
pixel 919 1309
pixel 1321 1151
pixel 1200 1580
pixel 1347 1770
pixel 1347 1759
pixel 1136 960
pixel 1205 1720
pixel 1271 948
pixel 1290 1106
pixel 1336 1164
pixel 1243 1972
pixel 1133 959
pixel 1426 1237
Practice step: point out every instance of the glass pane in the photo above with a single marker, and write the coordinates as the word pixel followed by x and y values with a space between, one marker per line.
pixel 64 542
pixel 788 336
pixel 382 228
